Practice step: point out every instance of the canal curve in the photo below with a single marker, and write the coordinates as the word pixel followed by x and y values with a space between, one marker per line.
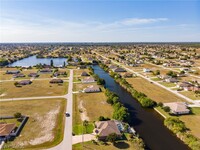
pixel 147 122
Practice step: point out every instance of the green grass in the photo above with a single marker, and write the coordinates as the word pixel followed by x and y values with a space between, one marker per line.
pixel 122 144
pixel 163 112
pixel 190 94
pixel 14 120
pixel 167 84
pixel 79 129
pixel 156 79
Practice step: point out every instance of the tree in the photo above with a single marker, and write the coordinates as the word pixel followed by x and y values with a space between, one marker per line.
pixel 64 64
pixel 166 109
pixel 160 104
pixel 85 124
pixel 17 115
pixel 112 137
pixel 51 63
pixel 16 83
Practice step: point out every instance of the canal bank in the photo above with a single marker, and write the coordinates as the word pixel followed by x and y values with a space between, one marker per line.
pixel 147 122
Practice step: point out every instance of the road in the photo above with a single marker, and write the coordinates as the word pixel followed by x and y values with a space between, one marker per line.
pixel 31 98
pixel 197 102
pixel 66 144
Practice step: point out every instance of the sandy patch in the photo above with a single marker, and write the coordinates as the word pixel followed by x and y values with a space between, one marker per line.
pixel 47 124
pixel 83 112
pixel 4 94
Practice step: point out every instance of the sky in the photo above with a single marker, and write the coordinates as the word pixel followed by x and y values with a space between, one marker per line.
pixel 99 21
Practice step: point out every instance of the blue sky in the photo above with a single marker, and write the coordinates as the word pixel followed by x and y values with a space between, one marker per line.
pixel 99 21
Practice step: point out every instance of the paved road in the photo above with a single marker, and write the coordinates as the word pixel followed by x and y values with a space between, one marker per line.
pixel 66 144
pixel 86 137
pixel 154 82
pixel 31 98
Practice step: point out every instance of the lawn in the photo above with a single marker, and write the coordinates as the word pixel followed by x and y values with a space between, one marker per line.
pixel 168 84
pixel 79 129
pixel 192 121
pixel 14 120
pixel 78 72
pixel 154 92
pixel 109 146
pixel 44 127
pixel 156 79
pixel 37 88
pixel 190 94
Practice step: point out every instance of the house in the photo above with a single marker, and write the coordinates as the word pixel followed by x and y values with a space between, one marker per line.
pixel 119 70
pixel 47 70
pixel 58 73
pixel 18 75
pixel 92 89
pixel 6 129
pixel 33 75
pixel 112 67
pixel 24 82
pixel 185 86
pixel 12 71
pixel 128 75
pixel 84 74
pixel 146 70
pixel 81 67
pixel 88 80
pixel 104 128
pixel 171 80
pixel 54 81
pixel 177 108
pixel 164 77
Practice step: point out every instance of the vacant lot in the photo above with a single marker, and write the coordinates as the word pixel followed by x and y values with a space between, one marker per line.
pixel 154 92
pixel 37 88
pixel 45 125
pixel 89 106
pixel 78 72
pixel 125 145
pixel 193 121
pixel 190 94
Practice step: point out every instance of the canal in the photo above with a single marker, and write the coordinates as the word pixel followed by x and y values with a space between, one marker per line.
pixel 147 122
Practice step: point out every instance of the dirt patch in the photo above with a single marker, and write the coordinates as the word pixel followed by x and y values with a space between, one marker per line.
pixel 83 112
pixel 4 94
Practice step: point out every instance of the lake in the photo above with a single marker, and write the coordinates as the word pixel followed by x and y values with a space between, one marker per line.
pixel 33 60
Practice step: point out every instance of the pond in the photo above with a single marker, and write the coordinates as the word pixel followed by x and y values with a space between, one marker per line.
pixel 33 60
pixel 147 122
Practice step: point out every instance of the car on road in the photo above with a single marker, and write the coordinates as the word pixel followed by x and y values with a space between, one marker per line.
pixel 67 114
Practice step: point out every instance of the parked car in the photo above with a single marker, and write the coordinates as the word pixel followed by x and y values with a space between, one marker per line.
pixel 67 114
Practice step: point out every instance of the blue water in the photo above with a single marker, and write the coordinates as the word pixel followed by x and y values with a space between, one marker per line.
pixel 32 61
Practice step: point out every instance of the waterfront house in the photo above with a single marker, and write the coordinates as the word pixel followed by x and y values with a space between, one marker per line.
pixel 119 70
pixel 92 89
pixel 104 128
pixel 112 67
pixel 88 80
pixel 84 74
pixel 177 108
pixel 12 71
pixel 47 70
pixel 54 81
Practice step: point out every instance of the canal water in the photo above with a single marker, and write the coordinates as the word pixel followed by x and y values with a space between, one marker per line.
pixel 147 122
pixel 33 60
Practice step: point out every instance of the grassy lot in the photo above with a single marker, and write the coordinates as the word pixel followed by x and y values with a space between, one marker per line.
pixel 156 79
pixel 168 84
pixel 94 105
pixel 79 129
pixel 154 92
pixel 163 112
pixel 192 121
pixel 190 94
pixel 44 127
pixel 109 146
pixel 37 88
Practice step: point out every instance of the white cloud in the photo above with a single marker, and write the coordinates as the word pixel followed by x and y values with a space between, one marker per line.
pixel 140 21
